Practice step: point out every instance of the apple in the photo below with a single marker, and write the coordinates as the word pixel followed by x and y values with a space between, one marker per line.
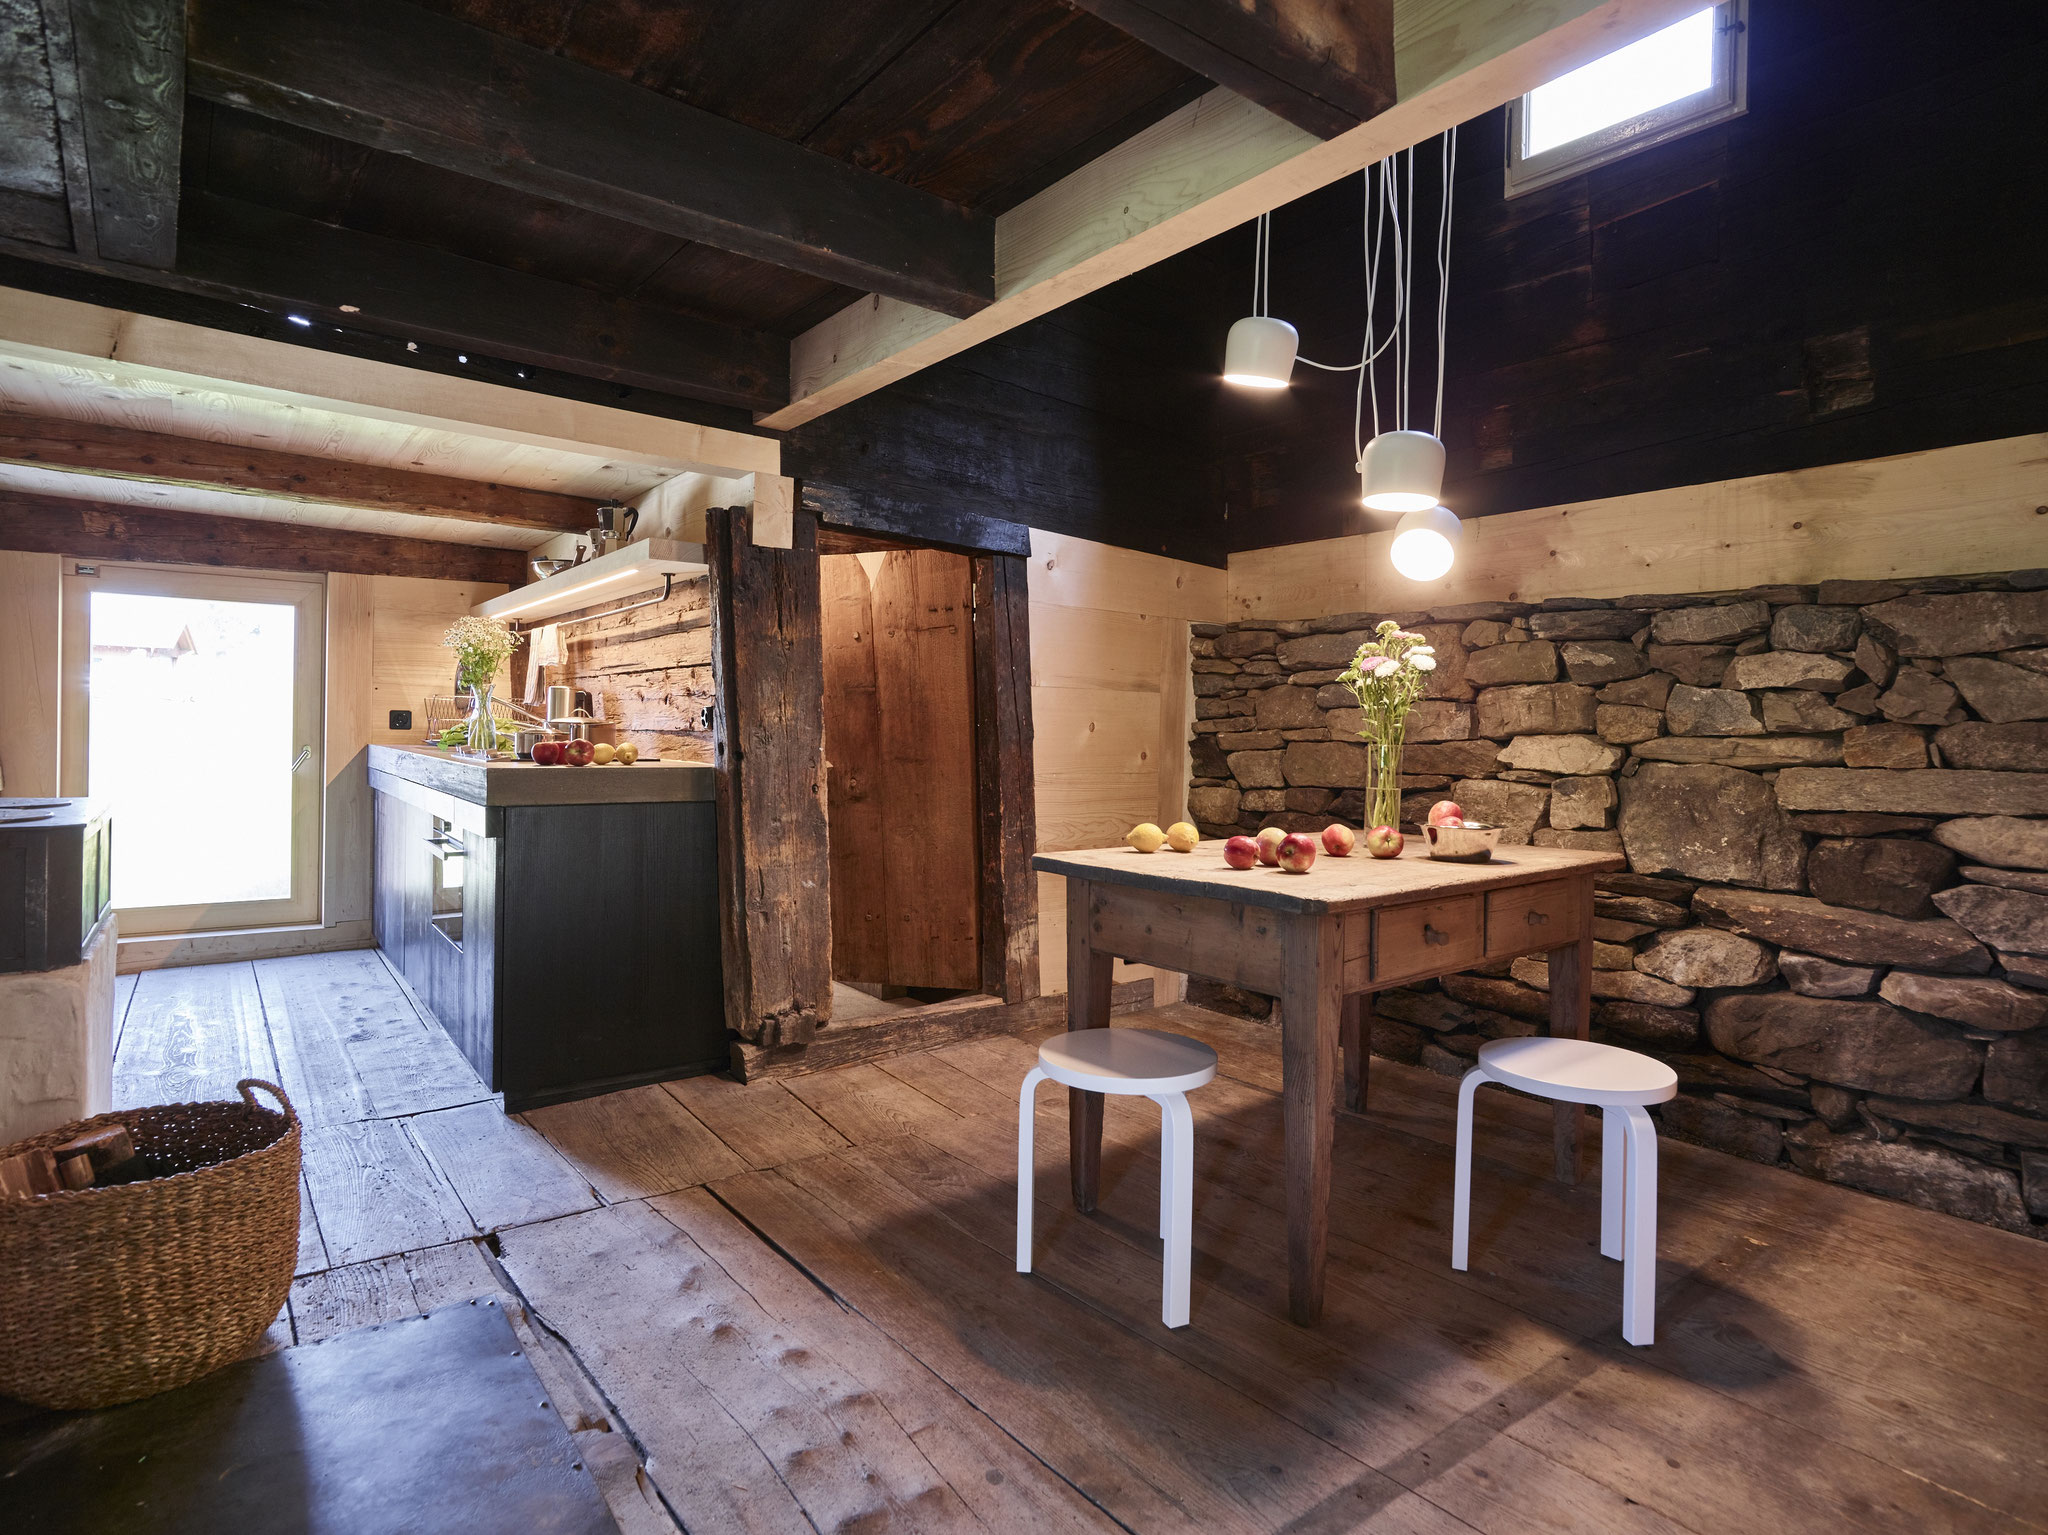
pixel 547 753
pixel 1269 846
pixel 1385 842
pixel 1240 852
pixel 578 753
pixel 1297 854
pixel 1339 840
pixel 1445 812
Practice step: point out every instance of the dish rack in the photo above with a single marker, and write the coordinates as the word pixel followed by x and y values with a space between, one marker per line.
pixel 444 710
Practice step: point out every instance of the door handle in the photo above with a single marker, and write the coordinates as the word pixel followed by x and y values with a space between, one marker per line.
pixel 1434 935
pixel 305 755
pixel 447 846
pixel 1536 918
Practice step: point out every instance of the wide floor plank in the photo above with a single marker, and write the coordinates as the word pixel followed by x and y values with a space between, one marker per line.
pixel 504 1171
pixel 375 1193
pixel 192 1033
pixel 389 1289
pixel 761 1122
pixel 635 1143
pixel 866 1103
pixel 350 1044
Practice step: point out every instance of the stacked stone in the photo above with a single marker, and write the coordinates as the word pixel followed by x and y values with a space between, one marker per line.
pixel 1834 805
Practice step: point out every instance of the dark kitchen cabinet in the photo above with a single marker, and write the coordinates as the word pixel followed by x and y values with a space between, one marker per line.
pixel 567 949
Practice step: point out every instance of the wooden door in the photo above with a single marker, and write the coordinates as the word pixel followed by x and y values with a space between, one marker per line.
pixel 899 738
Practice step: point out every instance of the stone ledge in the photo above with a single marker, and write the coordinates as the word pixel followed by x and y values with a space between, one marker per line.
pixel 1914 791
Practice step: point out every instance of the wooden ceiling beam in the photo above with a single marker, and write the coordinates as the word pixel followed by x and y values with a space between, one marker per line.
pixel 94 449
pixel 1209 167
pixel 100 530
pixel 1324 67
pixel 399 78
pixel 118 76
pixel 281 262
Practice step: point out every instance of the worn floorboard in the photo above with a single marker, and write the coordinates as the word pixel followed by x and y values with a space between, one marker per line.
pixel 191 1034
pixel 796 1306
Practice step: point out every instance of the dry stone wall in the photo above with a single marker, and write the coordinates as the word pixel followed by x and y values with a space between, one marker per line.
pixel 1834 805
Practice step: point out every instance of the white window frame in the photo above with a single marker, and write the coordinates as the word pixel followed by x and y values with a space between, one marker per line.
pixel 1727 97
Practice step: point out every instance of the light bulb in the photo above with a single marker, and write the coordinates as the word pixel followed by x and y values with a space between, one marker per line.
pixel 1425 543
pixel 1260 353
pixel 1402 472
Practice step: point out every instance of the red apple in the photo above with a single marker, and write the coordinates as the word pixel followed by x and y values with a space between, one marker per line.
pixel 1269 846
pixel 578 753
pixel 1297 853
pixel 1339 840
pixel 1445 812
pixel 547 753
pixel 1384 842
pixel 1240 852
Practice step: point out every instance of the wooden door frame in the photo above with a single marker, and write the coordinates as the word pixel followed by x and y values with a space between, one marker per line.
pixel 775 858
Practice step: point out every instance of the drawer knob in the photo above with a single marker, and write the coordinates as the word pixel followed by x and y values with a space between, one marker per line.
pixel 1536 918
pixel 1434 935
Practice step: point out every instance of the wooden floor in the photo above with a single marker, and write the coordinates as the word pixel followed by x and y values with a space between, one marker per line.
pixel 792 1306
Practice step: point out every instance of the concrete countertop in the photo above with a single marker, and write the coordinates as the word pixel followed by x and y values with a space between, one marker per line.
pixel 497 784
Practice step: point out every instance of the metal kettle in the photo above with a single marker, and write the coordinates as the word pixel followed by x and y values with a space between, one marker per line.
pixel 615 524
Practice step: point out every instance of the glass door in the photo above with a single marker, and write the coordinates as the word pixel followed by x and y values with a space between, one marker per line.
pixel 192 708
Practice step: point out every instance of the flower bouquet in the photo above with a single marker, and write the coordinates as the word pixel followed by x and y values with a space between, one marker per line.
pixel 1388 675
pixel 481 646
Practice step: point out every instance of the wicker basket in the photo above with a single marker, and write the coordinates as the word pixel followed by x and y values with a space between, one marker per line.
pixel 109 1294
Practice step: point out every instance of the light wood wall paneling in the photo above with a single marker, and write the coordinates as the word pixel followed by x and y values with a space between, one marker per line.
pixel 351 670
pixel 1945 511
pixel 31 587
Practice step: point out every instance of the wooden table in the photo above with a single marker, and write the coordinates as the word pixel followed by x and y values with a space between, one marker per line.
pixel 1321 942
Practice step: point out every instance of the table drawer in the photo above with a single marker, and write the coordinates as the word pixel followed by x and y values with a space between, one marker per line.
pixel 1428 938
pixel 1545 916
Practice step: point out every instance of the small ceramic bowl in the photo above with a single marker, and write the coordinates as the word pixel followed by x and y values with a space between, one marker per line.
pixel 546 568
pixel 1469 843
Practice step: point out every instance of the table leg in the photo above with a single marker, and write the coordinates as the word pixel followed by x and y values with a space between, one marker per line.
pixel 1088 983
pixel 1311 1009
pixel 1571 1017
pixel 1357 1035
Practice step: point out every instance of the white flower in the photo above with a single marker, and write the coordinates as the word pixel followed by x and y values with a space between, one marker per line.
pixel 1423 663
pixel 1422 650
pixel 1385 666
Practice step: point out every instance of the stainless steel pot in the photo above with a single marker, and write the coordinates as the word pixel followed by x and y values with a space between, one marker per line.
pixel 572 730
pixel 523 741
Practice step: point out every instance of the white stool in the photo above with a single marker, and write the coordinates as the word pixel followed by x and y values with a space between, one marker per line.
pixel 1620 1083
pixel 1132 1063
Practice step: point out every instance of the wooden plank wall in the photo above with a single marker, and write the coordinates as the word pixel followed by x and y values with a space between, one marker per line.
pixel 648 671
pixel 1947 511
pixel 30 602
pixel 1109 700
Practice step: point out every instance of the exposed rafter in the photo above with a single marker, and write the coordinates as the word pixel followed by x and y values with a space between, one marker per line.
pixel 1323 65
pixel 397 77
pixel 61 525
pixel 89 449
pixel 118 76
pixel 1209 167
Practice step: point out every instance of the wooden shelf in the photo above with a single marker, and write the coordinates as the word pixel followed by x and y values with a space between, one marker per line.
pixel 639 567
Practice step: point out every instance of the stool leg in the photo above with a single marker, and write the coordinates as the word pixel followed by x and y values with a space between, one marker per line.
pixel 1613 1136
pixel 1461 1183
pixel 1165 1167
pixel 1025 1154
pixel 1639 1266
pixel 1177 1173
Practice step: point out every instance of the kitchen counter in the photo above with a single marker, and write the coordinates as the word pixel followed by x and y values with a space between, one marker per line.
pixel 495 784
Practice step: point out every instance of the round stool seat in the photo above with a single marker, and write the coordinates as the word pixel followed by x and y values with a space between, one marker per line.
pixel 1133 1061
pixel 1578 1071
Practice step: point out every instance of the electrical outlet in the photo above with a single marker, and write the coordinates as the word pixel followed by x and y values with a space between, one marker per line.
pixel 401 719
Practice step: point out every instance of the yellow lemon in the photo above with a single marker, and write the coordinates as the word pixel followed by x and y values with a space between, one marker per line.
pixel 602 753
pixel 625 751
pixel 1182 837
pixel 1146 837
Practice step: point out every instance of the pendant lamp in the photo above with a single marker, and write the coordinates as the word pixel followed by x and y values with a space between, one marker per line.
pixel 1426 543
pixel 1402 471
pixel 1260 351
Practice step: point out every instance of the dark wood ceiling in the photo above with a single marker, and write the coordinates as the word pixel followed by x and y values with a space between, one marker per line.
pixel 981 102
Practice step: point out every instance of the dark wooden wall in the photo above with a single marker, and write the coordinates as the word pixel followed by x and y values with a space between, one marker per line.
pixel 1854 268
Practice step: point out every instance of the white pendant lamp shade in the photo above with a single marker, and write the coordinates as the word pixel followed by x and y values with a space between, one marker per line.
pixel 1426 542
pixel 1402 471
pixel 1260 353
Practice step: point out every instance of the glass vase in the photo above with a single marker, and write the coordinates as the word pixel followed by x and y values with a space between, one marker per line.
pixel 483 724
pixel 1383 776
